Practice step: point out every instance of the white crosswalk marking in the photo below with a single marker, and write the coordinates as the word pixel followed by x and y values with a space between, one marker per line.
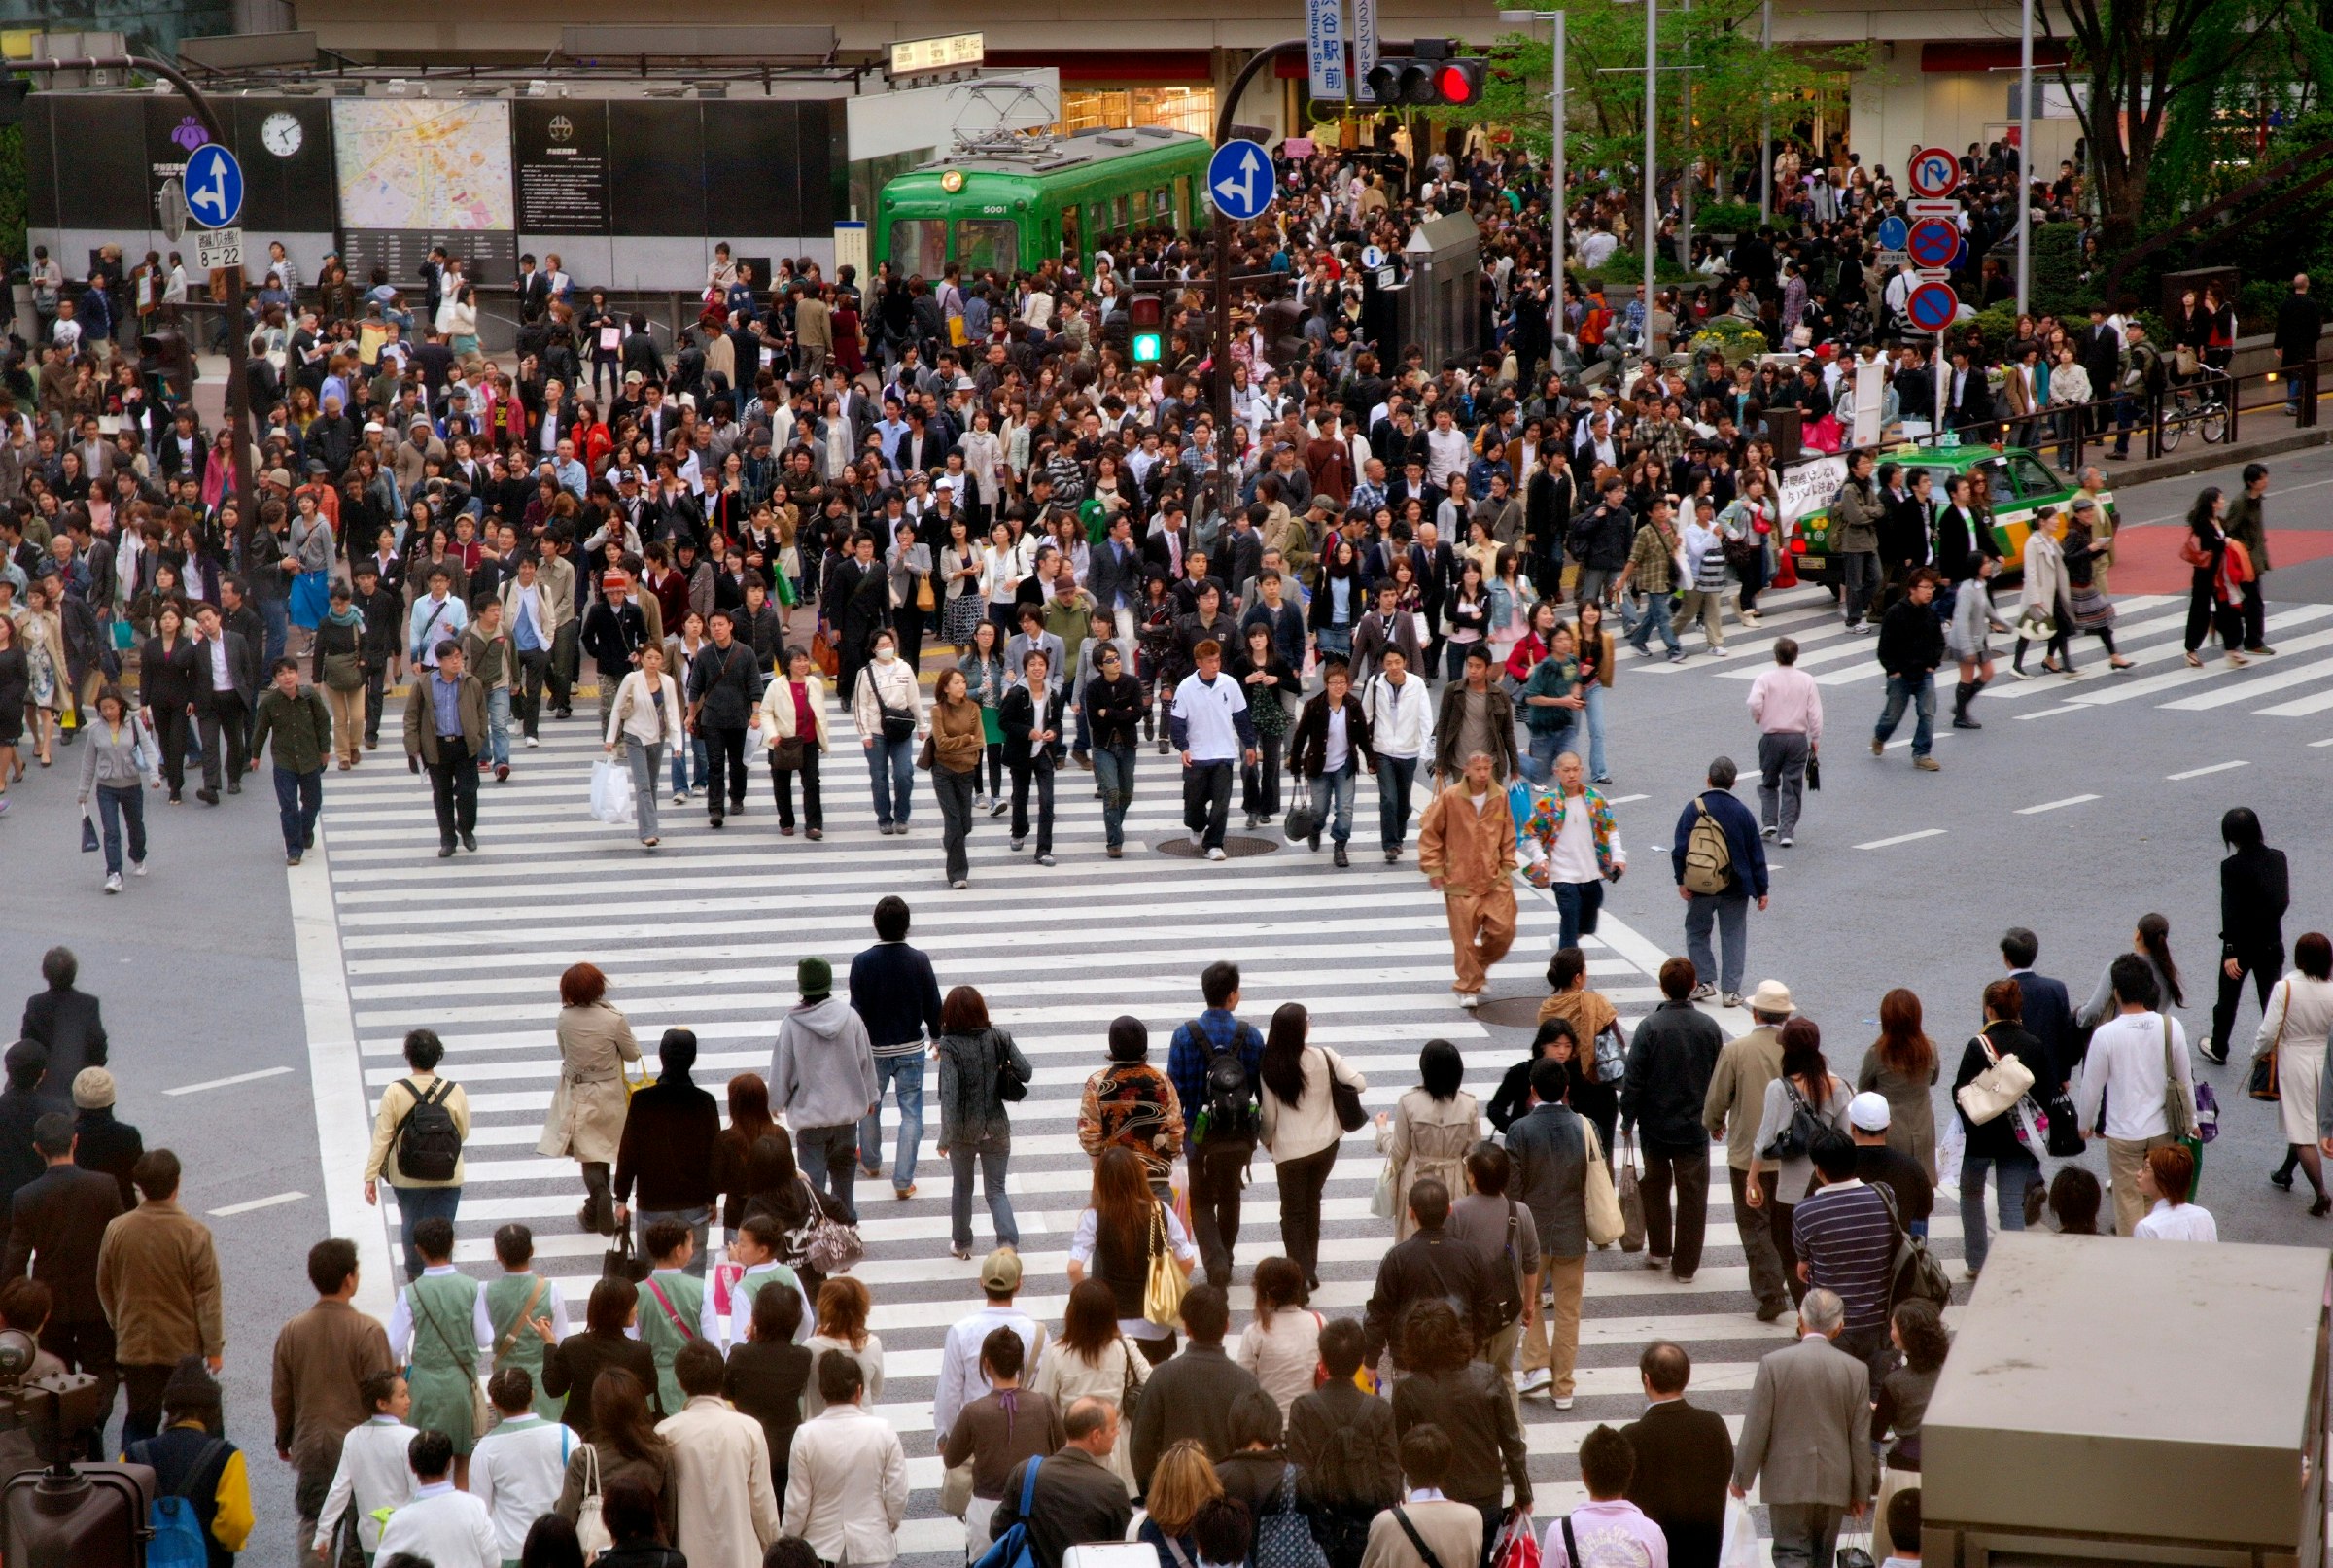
pixel 705 933
pixel 2150 630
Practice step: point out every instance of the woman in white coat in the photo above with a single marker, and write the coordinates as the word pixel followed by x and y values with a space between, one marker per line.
pixel 2044 598
pixel 2294 1029
pixel 793 726
pixel 1430 1131
pixel 586 1119
pixel 646 718
pixel 1301 1127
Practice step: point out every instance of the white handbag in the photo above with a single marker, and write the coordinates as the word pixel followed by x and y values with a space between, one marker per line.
pixel 591 1531
pixel 1994 1089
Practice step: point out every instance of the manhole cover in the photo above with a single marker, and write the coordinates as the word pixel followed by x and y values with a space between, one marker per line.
pixel 1512 1012
pixel 1239 846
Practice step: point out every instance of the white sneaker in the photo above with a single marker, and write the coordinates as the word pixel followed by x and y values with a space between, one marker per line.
pixel 532 743
pixel 1719 653
pixel 980 803
pixel 1196 835
pixel 1470 999
pixel 112 881
pixel 1563 1402
pixel 1536 1382
pixel 137 868
pixel 1784 841
pixel 1217 853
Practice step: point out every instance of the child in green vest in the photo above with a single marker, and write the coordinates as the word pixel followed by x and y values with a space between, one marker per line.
pixel 435 1324
pixel 522 1314
pixel 756 1248
pixel 673 1303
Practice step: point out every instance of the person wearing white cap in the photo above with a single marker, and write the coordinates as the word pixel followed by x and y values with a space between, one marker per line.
pixel 1868 1115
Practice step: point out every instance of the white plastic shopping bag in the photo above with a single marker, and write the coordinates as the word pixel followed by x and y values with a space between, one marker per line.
pixel 1951 1146
pixel 1737 1545
pixel 611 791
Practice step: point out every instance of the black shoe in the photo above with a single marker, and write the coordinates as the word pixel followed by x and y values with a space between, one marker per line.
pixel 208 796
pixel 445 850
pixel 716 819
pixel 235 786
pixel 1773 1311
pixel 2281 1179
pixel 1341 857
pixel 1313 842
pixel 1964 721
pixel 308 839
pixel 469 842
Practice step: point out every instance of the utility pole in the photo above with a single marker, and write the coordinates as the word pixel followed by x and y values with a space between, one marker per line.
pixel 1650 240
pixel 237 348
pixel 1227 490
pixel 2025 159
pixel 1765 123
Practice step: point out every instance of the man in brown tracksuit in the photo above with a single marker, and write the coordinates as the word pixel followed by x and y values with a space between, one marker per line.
pixel 322 1359
pixel 1466 848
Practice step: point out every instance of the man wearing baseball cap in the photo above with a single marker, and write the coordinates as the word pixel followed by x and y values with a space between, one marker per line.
pixel 960 1379
pixel 614 631
pixel 1880 1163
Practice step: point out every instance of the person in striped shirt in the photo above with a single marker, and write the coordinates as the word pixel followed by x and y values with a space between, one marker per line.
pixel 1845 1237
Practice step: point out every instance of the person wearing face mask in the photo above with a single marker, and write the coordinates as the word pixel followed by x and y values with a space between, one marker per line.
pixel 888 706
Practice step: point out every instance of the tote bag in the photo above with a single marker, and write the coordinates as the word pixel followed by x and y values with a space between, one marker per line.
pixel 1163 1291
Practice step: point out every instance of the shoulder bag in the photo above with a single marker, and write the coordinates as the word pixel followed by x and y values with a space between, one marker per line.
pixel 1797 1135
pixel 1632 1202
pixel 1351 1115
pixel 1996 1090
pixel 2262 1083
pixel 1011 1087
pixel 1605 1222
pixel 591 1531
pixel 1913 1272
pixel 1425 1554
pixel 2179 1101
pixel 510 1340
pixel 1283 1535
pixel 1165 1287
pixel 481 1411
pixel 671 1316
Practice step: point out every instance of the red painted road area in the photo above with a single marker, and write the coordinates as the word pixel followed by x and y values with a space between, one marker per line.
pixel 2147 559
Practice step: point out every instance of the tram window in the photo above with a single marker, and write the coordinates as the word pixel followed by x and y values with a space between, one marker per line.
pixel 1118 215
pixel 986 243
pixel 1160 205
pixel 920 245
pixel 1069 245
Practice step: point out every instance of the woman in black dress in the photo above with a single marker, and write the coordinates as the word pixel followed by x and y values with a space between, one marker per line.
pixel 16 683
pixel 170 681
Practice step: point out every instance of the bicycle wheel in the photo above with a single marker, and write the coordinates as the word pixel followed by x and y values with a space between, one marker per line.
pixel 2213 422
pixel 2171 429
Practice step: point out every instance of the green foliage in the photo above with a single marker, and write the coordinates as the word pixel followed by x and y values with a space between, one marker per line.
pixel 1731 335
pixel 1726 217
pixel 1999 326
pixel 1628 267
pixel 2058 287
pixel 12 213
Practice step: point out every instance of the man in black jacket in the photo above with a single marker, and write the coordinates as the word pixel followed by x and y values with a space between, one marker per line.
pixel 1669 1067
pixel 1963 537
pixel 1191 1395
pixel 231 694
pixel 102 1141
pixel 384 629
pixel 56 1222
pixel 669 1134
pixel 1911 644
pixel 1431 1265
pixel 1318 1421
pixel 1114 707
pixel 1601 540
pixel 896 996
pixel 64 1021
pixel 22 1106
pixel 2300 322
pixel 1077 1496
pixel 2048 1012
pixel 1683 1458
pixel 724 692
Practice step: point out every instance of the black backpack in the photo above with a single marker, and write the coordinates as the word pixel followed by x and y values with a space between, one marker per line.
pixel 428 1147
pixel 1229 1114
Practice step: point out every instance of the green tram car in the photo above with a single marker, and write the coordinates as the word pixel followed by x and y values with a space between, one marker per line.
pixel 1011 204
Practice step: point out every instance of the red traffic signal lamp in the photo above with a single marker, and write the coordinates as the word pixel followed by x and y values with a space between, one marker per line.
pixel 1436 79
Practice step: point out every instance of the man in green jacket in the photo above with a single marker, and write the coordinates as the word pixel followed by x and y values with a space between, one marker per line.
pixel 294 713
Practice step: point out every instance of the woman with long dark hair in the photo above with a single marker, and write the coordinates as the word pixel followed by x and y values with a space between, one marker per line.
pixel 1123 1228
pixel 748 1119
pixel 2151 941
pixel 1301 1127
pixel 1778 1179
pixel 623 1446
pixel 2214 590
pixel 1901 1065
pixel 576 1364
pixel 1092 1359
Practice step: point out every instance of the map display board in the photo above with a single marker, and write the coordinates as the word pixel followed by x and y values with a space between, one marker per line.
pixel 421 164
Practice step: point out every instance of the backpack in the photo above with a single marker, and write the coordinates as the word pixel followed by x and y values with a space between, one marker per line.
pixel 178 1540
pixel 1913 1272
pixel 1707 858
pixel 1229 1114
pixel 1012 1550
pixel 428 1147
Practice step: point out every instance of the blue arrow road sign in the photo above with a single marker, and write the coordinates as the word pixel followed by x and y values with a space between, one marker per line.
pixel 1240 178
pixel 1892 233
pixel 214 183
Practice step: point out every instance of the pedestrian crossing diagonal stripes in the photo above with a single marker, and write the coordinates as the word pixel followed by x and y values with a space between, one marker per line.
pixel 2150 630
pixel 705 933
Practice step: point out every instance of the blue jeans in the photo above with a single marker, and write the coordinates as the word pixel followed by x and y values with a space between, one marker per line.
pixel 1731 913
pixel 907 1074
pixel 994 1154
pixel 1655 618
pixel 113 803
pixel 276 615
pixel 417 1204
pixel 299 797
pixel 1920 694
pixel 1336 789
pixel 497 725
pixel 2012 1174
pixel 1859 583
pixel 828 1156
pixel 1545 745
pixel 1114 776
pixel 1577 905
pixel 1395 777
pixel 684 756
pixel 892 771
pixel 1596 770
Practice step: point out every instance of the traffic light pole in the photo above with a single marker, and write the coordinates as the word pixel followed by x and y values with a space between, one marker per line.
pixel 237 349
pixel 1227 488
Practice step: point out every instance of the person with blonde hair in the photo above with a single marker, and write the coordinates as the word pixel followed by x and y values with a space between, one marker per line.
pixel 1181 1483
pixel 844 1304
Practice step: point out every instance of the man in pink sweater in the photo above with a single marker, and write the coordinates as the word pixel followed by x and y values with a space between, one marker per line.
pixel 1787 708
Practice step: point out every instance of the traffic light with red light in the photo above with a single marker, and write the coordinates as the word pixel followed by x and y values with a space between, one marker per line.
pixel 1428 82
pixel 1145 340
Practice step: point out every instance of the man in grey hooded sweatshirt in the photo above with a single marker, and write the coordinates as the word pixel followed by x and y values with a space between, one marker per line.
pixel 824 1081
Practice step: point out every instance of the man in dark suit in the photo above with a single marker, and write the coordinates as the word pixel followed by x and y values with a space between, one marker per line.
pixel 1191 1395
pixel 2048 1013
pixel 1431 1265
pixel 64 1021
pixel 57 1223
pixel 1684 1455
pixel 230 668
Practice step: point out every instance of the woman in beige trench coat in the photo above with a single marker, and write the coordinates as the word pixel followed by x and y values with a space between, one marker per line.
pixel 586 1118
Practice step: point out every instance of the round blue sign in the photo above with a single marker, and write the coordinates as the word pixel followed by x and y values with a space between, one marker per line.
pixel 214 183
pixel 1933 306
pixel 1892 233
pixel 1239 179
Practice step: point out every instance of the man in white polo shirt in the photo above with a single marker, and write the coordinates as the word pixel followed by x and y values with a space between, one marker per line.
pixel 1211 726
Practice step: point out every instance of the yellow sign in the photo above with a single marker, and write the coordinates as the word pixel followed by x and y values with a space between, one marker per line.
pixel 953 52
